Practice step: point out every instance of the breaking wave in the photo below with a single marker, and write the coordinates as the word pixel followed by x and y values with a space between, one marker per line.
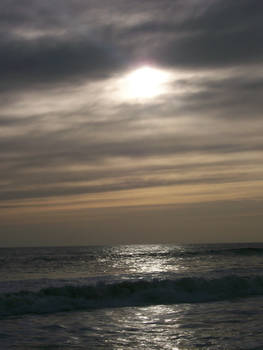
pixel 130 293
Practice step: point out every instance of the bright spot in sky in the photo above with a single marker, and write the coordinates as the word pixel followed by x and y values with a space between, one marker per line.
pixel 145 82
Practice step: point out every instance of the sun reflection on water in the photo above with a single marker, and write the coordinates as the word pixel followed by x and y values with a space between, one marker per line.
pixel 148 259
pixel 154 327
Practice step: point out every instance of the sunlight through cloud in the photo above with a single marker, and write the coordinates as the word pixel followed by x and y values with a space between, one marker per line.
pixel 145 83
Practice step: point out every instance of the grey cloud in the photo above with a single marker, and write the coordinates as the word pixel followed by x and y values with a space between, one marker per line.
pixel 237 98
pixel 210 50
pixel 42 15
pixel 49 60
pixel 25 157
pixel 87 147
pixel 218 34
pixel 94 45
pixel 40 150
pixel 66 190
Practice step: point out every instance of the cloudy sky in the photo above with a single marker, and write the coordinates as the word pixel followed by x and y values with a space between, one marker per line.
pixel 130 121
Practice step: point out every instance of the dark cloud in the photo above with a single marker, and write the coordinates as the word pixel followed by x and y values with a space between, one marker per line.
pixel 211 50
pixel 49 60
pixel 235 97
pixel 214 35
pixel 73 41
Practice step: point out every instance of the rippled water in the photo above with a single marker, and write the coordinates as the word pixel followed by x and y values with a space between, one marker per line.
pixel 132 297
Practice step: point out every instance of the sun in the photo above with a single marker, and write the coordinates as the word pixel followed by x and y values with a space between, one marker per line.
pixel 145 82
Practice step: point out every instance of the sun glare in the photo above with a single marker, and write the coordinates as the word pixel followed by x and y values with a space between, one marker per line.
pixel 145 82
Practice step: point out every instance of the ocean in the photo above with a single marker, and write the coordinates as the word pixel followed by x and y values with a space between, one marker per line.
pixel 178 297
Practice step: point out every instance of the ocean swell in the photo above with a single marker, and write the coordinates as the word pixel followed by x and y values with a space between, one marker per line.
pixel 247 251
pixel 129 293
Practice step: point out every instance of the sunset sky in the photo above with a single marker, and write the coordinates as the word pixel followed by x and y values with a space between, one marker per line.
pixel 131 121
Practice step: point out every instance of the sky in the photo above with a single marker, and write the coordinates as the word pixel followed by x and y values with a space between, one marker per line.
pixel 130 121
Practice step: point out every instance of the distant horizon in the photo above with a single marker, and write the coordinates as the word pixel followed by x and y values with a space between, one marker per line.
pixel 128 244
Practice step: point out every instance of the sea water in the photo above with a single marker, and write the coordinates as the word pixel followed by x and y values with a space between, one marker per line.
pixel 132 297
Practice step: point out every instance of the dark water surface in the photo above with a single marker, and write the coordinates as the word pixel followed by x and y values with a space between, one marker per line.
pixel 132 297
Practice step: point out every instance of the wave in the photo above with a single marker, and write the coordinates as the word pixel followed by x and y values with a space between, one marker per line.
pixel 188 253
pixel 246 251
pixel 130 293
pixel 87 257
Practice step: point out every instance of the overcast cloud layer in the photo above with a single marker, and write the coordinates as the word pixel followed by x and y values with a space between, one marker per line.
pixel 71 140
